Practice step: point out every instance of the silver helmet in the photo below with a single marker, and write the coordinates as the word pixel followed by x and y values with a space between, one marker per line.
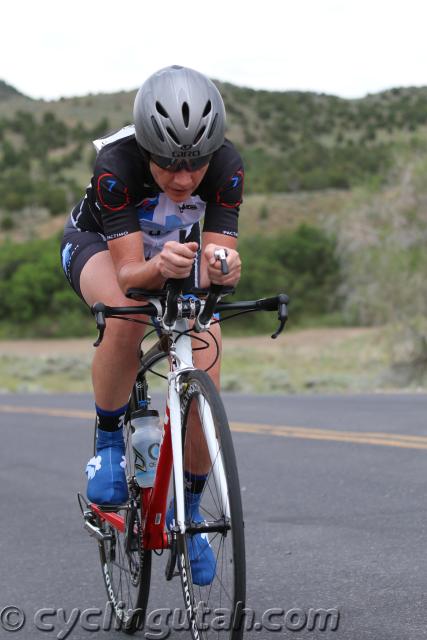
pixel 179 115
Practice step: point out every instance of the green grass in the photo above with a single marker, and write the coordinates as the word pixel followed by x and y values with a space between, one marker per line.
pixel 309 361
pixel 45 374
pixel 308 364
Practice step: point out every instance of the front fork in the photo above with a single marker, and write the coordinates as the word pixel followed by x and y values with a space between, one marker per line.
pixel 208 426
pixel 183 360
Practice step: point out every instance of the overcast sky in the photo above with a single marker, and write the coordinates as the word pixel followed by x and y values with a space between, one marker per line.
pixel 349 48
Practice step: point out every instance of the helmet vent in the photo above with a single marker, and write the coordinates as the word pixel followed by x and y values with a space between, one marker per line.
pixel 172 135
pixel 199 135
pixel 213 126
pixel 160 109
pixel 186 114
pixel 157 128
pixel 208 108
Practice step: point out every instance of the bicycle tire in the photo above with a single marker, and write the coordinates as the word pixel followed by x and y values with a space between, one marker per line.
pixel 228 587
pixel 126 572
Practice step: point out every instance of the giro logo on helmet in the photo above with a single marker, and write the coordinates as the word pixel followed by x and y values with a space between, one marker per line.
pixel 186 154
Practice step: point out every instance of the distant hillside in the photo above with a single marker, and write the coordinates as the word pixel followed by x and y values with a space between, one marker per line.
pixel 291 142
pixel 7 91
pixel 335 208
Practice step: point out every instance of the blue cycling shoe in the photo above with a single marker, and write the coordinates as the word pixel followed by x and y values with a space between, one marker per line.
pixel 201 556
pixel 106 473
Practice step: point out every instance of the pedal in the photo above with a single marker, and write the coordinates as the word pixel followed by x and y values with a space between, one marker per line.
pixel 93 529
pixel 90 522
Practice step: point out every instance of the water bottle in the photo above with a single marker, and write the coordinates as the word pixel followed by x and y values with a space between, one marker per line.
pixel 146 437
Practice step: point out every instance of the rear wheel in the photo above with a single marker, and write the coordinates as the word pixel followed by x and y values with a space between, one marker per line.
pixel 218 521
pixel 126 566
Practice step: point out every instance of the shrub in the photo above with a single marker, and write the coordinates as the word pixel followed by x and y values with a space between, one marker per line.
pixel 33 287
pixel 301 263
pixel 7 223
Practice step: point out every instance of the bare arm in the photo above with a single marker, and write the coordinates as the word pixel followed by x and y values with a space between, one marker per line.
pixel 174 261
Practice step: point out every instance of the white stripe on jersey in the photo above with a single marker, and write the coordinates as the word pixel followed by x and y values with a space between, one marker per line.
pixel 76 219
pixel 125 132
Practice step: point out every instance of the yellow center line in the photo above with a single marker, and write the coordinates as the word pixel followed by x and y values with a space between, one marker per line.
pixel 48 411
pixel 306 433
pixel 332 435
pixel 260 428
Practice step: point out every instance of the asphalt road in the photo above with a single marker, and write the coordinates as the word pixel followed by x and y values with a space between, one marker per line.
pixel 335 511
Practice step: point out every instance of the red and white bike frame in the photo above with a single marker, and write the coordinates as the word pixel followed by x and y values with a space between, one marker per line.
pixel 154 500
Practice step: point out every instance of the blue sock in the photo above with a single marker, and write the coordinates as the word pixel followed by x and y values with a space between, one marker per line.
pixel 194 483
pixel 110 420
pixel 201 555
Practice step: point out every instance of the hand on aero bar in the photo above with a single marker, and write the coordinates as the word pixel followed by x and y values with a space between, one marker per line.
pixel 176 259
pixel 215 274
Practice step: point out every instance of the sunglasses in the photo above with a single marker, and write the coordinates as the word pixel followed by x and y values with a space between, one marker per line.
pixel 178 164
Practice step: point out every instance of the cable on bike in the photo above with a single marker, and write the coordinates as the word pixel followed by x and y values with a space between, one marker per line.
pixel 197 337
pixel 234 315
pixel 217 351
pixel 240 313
pixel 150 333
pixel 156 373
pixel 148 324
pixel 179 335
pixel 147 335
pixel 218 321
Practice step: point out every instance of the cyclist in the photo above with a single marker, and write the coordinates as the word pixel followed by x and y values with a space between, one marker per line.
pixel 138 225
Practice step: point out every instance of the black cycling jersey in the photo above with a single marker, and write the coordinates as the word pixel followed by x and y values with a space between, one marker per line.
pixel 123 197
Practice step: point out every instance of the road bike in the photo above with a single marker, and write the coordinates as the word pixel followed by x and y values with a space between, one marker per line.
pixel 127 535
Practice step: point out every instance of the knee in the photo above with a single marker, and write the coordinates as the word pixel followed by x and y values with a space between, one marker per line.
pixel 123 333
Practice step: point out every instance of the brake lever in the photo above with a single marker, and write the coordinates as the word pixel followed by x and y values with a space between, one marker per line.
pixel 98 310
pixel 282 309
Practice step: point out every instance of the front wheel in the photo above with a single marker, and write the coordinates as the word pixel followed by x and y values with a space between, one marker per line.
pixel 211 554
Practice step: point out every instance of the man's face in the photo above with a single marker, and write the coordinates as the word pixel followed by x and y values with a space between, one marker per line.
pixel 178 185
